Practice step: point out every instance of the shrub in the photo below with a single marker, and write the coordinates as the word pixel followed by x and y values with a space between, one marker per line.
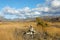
pixel 41 22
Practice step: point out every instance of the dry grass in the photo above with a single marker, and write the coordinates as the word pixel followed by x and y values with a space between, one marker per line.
pixel 7 29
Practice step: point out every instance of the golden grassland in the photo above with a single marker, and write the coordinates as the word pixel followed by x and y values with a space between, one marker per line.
pixel 7 29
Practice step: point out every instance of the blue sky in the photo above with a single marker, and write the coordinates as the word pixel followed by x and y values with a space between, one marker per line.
pixel 20 3
pixel 11 9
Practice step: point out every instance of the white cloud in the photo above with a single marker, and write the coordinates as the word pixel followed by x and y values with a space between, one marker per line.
pixel 56 3
pixel 10 10
pixel 41 9
pixel 22 13
pixel 37 13
pixel 50 7
pixel 54 8
pixel 26 9
pixel 46 9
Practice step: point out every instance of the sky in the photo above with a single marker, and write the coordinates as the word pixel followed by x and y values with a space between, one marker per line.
pixel 20 3
pixel 23 9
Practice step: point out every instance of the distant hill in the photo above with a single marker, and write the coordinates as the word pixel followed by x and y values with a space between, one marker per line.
pixel 46 18
pixel 52 18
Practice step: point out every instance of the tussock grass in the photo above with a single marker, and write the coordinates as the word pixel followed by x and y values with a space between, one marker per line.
pixel 14 30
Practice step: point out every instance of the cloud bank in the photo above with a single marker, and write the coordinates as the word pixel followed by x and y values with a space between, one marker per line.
pixel 49 8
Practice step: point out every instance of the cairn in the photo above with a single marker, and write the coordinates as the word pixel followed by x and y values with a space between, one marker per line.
pixel 31 34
